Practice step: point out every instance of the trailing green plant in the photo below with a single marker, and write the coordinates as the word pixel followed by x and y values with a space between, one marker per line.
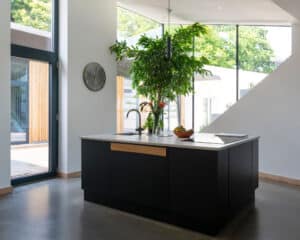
pixel 157 77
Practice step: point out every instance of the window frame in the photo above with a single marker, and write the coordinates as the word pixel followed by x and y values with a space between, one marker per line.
pixel 50 57
pixel 237 64
pixel 237 68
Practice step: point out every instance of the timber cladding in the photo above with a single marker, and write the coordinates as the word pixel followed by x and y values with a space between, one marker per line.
pixel 38 101
pixel 140 149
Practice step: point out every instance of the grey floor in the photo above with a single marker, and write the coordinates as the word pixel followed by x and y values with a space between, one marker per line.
pixel 55 210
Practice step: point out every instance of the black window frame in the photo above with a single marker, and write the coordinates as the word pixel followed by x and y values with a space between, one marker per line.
pixel 237 60
pixel 50 57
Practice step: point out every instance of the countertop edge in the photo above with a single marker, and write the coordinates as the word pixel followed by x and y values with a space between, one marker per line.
pixel 183 145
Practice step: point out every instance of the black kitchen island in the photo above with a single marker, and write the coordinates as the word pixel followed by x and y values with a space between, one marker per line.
pixel 197 185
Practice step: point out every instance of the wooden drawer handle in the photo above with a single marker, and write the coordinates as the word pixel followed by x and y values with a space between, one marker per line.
pixel 140 149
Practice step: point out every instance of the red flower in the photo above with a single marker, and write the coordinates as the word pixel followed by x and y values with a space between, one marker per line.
pixel 162 104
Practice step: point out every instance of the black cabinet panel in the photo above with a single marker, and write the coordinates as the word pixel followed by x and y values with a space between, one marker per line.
pixel 95 167
pixel 193 182
pixel 198 189
pixel 241 191
pixel 223 185
pixel 255 163
pixel 140 179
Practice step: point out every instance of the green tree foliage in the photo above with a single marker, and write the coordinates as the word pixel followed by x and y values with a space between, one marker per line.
pixel 131 24
pixel 255 52
pixel 161 77
pixel 154 75
pixel 32 13
pixel 218 45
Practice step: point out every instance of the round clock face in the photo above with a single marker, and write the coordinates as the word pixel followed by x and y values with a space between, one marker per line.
pixel 94 76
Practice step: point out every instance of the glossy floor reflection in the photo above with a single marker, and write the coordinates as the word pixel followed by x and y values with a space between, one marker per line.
pixel 55 210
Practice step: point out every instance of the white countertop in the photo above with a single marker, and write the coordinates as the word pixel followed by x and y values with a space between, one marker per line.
pixel 171 141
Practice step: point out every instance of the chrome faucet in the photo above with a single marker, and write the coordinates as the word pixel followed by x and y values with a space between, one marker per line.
pixel 139 129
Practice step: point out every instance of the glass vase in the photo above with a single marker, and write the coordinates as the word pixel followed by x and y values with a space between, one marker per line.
pixel 158 123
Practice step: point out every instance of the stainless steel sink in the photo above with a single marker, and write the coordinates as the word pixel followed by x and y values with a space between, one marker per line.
pixel 128 134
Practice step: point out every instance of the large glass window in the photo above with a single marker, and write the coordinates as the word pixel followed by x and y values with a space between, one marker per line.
pixel 213 95
pixel 130 28
pixel 240 57
pixel 19 100
pixel 258 51
pixel 261 50
pixel 29 117
pixel 31 23
pixel 178 112
pixel 34 77
pixel 216 93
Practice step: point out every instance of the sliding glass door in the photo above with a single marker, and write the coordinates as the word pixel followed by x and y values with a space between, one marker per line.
pixel 34 92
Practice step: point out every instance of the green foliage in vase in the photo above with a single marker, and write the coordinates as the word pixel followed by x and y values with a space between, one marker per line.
pixel 154 75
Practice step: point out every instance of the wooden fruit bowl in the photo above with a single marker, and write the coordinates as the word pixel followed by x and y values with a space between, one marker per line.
pixel 186 134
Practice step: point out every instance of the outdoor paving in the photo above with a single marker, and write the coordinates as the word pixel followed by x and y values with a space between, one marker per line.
pixel 27 160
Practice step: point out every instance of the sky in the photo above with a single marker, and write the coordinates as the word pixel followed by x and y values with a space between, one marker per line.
pixel 280 39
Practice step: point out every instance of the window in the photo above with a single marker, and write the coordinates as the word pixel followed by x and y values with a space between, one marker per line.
pixel 258 51
pixel 31 23
pixel 216 93
pixel 261 50
pixel 19 100
pixel 130 27
pixel 213 95
pixel 240 57
pixel 34 78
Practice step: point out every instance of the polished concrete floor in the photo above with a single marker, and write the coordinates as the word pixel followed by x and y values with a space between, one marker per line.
pixel 55 210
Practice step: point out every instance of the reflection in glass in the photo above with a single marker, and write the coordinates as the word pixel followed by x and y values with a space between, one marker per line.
pixel 29 117
pixel 19 100
pixel 31 23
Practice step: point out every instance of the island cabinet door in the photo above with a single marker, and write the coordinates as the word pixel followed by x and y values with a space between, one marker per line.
pixel 139 177
pixel 194 184
pixel 241 177
pixel 255 150
pixel 95 169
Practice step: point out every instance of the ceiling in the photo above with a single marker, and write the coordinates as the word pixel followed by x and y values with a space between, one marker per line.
pixel 212 11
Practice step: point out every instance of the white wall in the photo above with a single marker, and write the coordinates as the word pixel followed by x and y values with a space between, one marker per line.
pixel 4 93
pixel 86 32
pixel 290 6
pixel 271 110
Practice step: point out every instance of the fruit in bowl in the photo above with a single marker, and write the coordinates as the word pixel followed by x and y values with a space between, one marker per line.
pixel 181 132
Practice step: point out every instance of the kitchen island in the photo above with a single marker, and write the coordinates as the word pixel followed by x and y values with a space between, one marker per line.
pixel 200 184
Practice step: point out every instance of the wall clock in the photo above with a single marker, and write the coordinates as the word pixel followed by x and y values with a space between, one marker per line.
pixel 94 76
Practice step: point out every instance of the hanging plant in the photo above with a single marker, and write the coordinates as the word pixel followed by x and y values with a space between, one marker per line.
pixel 160 78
